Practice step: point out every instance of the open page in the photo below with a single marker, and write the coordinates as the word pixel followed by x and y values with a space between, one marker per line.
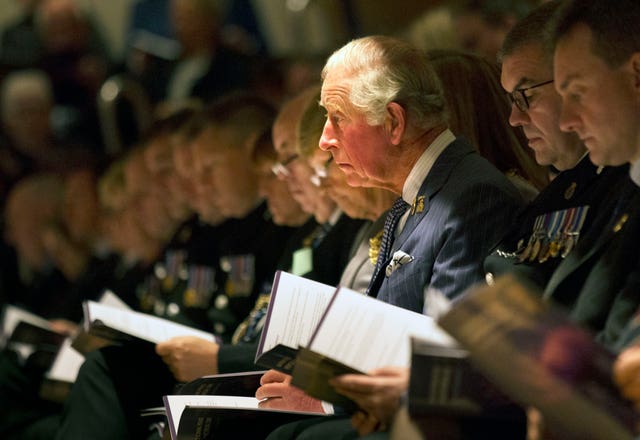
pixel 67 363
pixel 62 374
pixel 120 325
pixel 213 417
pixel 356 334
pixel 295 308
pixel 537 356
pixel 365 333
pixel 83 342
pixel 108 298
pixel 29 336
pixel 12 316
pixel 175 405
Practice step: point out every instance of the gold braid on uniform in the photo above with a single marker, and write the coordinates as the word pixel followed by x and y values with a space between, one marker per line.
pixel 261 303
pixel 374 247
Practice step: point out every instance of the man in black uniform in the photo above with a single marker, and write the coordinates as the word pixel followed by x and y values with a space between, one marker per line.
pixel 551 225
pixel 247 248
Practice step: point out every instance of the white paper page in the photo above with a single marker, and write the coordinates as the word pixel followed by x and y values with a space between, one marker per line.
pixel 295 308
pixel 13 315
pixel 108 298
pixel 140 325
pixel 67 363
pixel 364 333
pixel 175 405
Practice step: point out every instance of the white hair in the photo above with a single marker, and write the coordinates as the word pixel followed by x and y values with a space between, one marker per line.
pixel 380 70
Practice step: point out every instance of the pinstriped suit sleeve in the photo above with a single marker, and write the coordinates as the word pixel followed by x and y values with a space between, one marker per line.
pixel 462 222
pixel 480 215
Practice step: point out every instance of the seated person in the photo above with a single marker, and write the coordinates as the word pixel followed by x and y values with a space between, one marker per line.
pixel 365 139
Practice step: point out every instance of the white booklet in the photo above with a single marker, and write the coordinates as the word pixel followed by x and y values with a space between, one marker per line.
pixel 365 333
pixel 108 298
pixel 356 334
pixel 123 325
pixel 13 315
pixel 295 308
pixel 30 336
pixel 68 360
pixel 210 417
pixel 67 363
pixel 175 405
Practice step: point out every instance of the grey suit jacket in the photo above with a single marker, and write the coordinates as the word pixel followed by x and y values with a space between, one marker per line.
pixel 358 272
pixel 468 206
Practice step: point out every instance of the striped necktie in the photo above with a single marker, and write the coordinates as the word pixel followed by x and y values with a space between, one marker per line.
pixel 397 210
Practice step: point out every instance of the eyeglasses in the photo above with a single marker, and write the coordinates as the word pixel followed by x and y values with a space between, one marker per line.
pixel 519 97
pixel 280 168
pixel 320 173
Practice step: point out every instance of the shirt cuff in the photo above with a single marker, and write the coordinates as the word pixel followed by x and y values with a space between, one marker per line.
pixel 327 407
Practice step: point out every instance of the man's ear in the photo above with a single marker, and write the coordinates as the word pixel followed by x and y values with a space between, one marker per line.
pixel 396 122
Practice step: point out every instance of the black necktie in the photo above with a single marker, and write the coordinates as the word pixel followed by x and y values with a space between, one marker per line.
pixel 390 223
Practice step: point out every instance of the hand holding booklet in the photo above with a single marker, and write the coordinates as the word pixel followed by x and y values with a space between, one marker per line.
pixel 32 338
pixel 211 406
pixel 295 308
pixel 120 325
pixel 357 334
pixel 538 357
pixel 315 331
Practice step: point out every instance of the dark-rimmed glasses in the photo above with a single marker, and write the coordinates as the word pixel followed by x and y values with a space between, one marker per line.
pixel 519 96
pixel 280 168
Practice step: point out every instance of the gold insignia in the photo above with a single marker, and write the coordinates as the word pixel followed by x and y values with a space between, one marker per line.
pixel 147 301
pixel 241 330
pixel 418 205
pixel 190 297
pixel 620 223
pixel 168 283
pixel 554 248
pixel 570 191
pixel 374 247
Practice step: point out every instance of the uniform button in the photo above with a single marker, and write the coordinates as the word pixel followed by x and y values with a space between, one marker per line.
pixel 173 309
pixel 489 278
pixel 219 328
pixel 160 271
pixel 159 308
pixel 221 302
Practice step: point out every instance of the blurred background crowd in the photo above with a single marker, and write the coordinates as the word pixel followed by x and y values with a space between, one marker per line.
pixel 112 174
pixel 74 99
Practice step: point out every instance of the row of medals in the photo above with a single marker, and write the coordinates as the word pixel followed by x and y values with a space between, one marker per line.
pixel 541 246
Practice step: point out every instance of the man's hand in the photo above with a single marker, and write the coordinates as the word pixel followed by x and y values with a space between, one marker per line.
pixel 626 373
pixel 276 388
pixel 64 326
pixel 377 394
pixel 189 357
